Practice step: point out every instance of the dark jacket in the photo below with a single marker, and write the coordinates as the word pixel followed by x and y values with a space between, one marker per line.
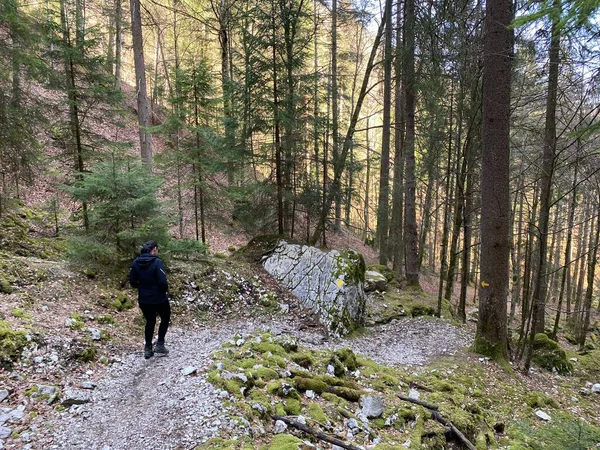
pixel 148 275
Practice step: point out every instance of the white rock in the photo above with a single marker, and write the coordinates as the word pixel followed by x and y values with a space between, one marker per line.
pixel 585 391
pixel 309 394
pixel 5 432
pixel 88 385
pixel 596 388
pixel 574 399
pixel 188 370
pixel 573 359
pixel 542 415
pixel 352 424
pixel 330 369
pixel 75 398
pixel 284 307
pixel 414 394
pixel 280 427
pixel 239 342
pixel 372 407
pixel 95 334
pixel 3 395
pixel 301 419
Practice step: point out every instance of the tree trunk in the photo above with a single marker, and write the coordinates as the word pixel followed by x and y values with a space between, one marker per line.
pixel 334 111
pixel 541 280
pixel 118 43
pixel 492 333
pixel 592 259
pixel 567 266
pixel 410 213
pixel 384 168
pixel 140 81
pixel 278 169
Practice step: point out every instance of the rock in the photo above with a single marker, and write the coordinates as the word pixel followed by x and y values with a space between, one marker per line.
pixel 309 394
pixel 542 415
pixel 596 388
pixel 330 370
pixel 38 359
pixel 329 284
pixel 188 370
pixel 585 391
pixel 284 308
pixel 372 407
pixel 260 408
pixel 573 359
pixel 5 432
pixel 95 334
pixel 72 397
pixel 16 416
pixel 352 424
pixel 375 281
pixel 3 394
pixel 574 399
pixel 69 322
pixel 280 427
pixel 391 420
pixel 414 394
pixel 239 342
pixel 301 419
pixel 88 385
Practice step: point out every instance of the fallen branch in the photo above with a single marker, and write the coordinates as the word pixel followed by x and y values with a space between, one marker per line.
pixel 439 418
pixel 418 402
pixel 315 433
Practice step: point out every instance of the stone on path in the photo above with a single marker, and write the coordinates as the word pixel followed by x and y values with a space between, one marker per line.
pixel 3 394
pixel 188 370
pixel 372 407
pixel 280 427
pixel 542 415
pixel 375 281
pixel 72 397
pixel 596 388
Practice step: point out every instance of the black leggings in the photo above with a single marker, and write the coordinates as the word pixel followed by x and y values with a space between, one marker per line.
pixel 150 312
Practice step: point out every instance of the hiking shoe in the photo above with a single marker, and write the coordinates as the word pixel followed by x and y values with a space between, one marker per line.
pixel 160 349
pixel 148 353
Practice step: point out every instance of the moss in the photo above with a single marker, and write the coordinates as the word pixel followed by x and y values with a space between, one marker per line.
pixel 305 359
pixel 89 354
pixel 273 386
pixel 331 381
pixel 292 406
pixel 105 319
pixel 310 384
pixel 537 399
pixel 276 360
pixel 549 355
pixel 233 386
pixel 20 314
pixel 12 343
pixel 268 347
pixel 265 373
pixel 352 395
pixel 338 368
pixel 334 399
pixel 285 442
pixel 121 302
pixel 497 352
pixel 443 386
pixel 347 357
pixel 105 335
pixel 279 409
pixel 316 413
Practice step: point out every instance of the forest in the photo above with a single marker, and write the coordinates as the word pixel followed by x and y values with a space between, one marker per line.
pixel 454 139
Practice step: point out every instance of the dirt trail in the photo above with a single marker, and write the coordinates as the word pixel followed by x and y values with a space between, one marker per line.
pixel 151 405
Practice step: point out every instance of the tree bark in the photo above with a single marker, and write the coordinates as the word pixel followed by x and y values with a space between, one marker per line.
pixel 492 333
pixel 410 212
pixel 140 81
pixel 384 168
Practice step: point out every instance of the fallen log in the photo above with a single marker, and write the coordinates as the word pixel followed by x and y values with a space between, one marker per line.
pixel 418 402
pixel 315 433
pixel 439 418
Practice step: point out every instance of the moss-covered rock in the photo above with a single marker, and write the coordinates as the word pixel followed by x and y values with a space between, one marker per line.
pixel 550 356
pixel 304 359
pixel 537 399
pixel 12 343
pixel 285 442
pixel 292 406
pixel 310 384
pixel 316 413
pixel 347 358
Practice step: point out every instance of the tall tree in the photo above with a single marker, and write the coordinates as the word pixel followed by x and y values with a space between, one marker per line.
pixel 384 168
pixel 410 207
pixel 143 106
pixel 492 333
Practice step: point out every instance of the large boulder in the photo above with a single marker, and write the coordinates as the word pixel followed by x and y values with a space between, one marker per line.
pixel 328 283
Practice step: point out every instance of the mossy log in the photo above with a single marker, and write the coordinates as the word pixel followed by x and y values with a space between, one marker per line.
pixel 315 433
pixel 439 418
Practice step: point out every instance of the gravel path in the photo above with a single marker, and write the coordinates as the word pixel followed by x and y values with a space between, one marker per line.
pixel 150 405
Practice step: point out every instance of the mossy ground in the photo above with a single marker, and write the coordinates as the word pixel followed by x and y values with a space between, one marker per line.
pixel 489 405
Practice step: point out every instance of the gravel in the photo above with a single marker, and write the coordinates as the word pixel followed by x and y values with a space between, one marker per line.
pixel 151 405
